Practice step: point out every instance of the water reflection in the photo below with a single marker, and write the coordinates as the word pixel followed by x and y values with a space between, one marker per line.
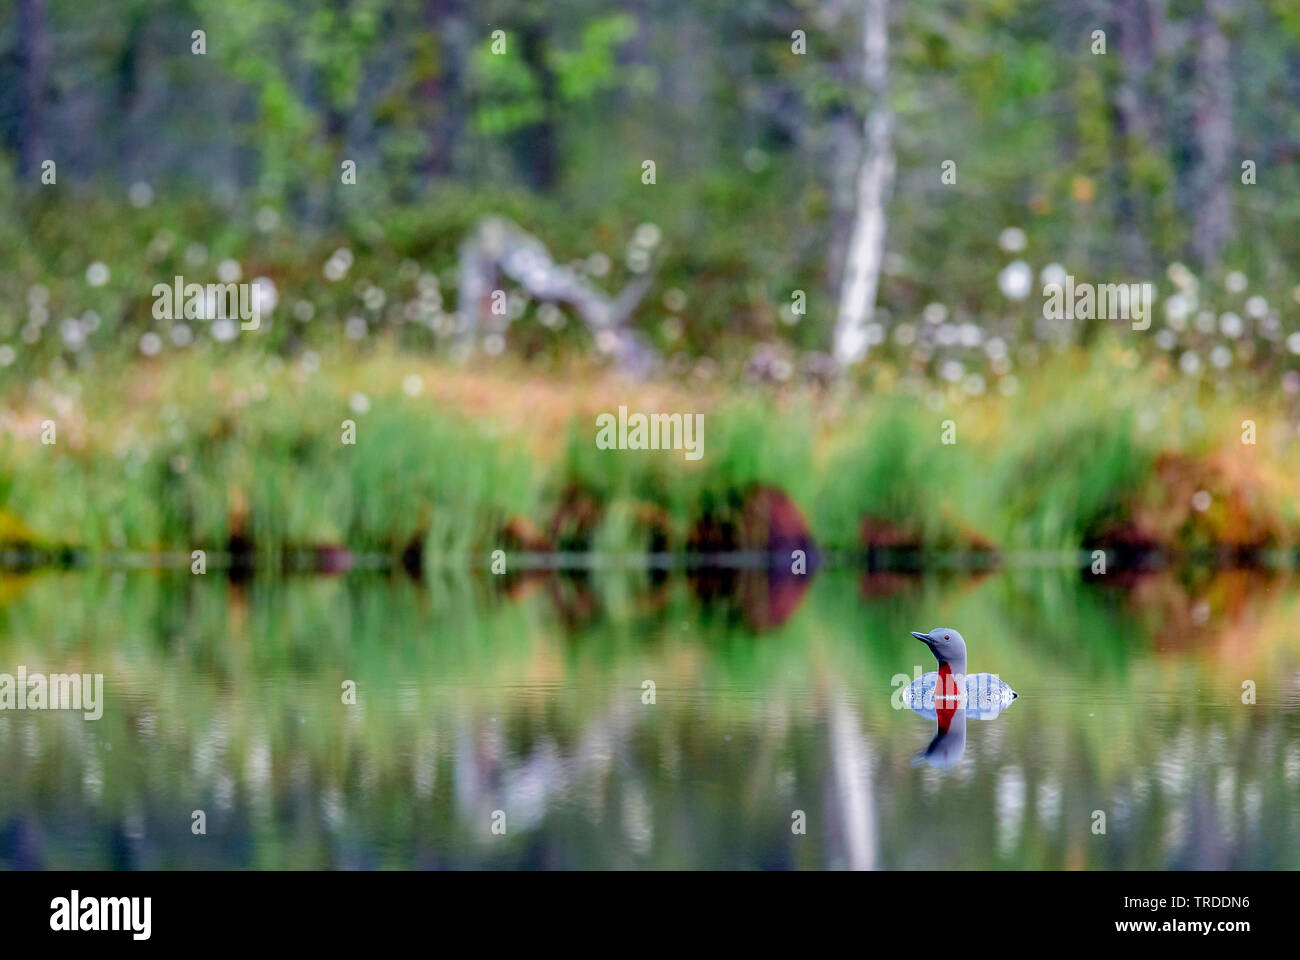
pixel 226 698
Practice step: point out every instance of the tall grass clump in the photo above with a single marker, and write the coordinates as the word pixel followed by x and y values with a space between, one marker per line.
pixel 1072 466
pixel 269 471
pixel 751 442
pixel 657 498
pixel 891 473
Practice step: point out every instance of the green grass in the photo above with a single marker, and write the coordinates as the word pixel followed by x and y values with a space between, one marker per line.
pixel 188 454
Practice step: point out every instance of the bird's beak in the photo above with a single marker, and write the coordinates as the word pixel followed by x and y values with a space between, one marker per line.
pixel 923 637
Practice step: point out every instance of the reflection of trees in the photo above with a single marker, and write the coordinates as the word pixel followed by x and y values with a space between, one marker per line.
pixel 852 817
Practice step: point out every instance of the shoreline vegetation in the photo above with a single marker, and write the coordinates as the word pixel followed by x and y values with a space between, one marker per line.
pixel 242 456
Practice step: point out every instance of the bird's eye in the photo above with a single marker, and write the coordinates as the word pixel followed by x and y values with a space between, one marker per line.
pixel 945 636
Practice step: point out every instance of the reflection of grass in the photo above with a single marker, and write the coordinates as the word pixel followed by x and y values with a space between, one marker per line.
pixel 194 452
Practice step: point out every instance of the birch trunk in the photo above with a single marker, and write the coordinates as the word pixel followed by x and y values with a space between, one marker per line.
pixel 875 181
pixel 1213 137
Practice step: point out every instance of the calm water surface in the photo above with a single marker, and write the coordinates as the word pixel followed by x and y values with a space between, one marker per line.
pixel 773 706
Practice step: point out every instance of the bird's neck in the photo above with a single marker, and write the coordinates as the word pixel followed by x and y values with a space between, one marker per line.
pixel 951 678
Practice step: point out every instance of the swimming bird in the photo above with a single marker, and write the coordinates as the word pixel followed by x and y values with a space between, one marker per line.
pixel 948 694
pixel 983 695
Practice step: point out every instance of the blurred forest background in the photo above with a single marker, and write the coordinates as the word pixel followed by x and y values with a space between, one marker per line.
pixel 840 263
pixel 776 127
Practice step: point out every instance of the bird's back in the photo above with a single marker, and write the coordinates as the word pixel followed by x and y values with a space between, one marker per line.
pixel 984 695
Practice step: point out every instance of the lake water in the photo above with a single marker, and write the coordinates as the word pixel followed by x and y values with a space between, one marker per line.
pixel 523 705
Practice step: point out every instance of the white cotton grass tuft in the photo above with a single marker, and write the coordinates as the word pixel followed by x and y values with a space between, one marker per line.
pixel 1012 239
pixel 638 259
pixel 338 265
pixel 140 194
pixel 1181 277
pixel 1015 280
pixel 934 313
pixel 1177 309
pixel 266 219
pixel 647 235
pixel 267 294
pixel 1053 275
pixel 72 333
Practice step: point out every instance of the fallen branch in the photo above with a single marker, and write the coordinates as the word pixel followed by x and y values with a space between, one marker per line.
pixel 499 247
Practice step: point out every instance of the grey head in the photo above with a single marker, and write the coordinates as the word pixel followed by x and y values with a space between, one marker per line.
pixel 947 646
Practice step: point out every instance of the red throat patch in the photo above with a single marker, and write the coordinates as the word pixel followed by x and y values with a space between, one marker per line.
pixel 945 697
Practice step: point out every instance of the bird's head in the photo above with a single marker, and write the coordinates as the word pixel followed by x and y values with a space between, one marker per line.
pixel 947 646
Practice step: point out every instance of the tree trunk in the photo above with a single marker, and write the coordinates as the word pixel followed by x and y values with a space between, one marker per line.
pixel 1137 118
pixel 33 70
pixel 875 181
pixel 536 144
pixel 1213 137
pixel 442 90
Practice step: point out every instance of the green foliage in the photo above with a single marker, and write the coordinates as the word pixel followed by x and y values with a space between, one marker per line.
pixel 510 96
pixel 277 473
pixel 592 68
pixel 1070 476
pixel 893 469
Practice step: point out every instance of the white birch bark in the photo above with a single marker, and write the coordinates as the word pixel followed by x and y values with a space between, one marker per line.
pixel 875 181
